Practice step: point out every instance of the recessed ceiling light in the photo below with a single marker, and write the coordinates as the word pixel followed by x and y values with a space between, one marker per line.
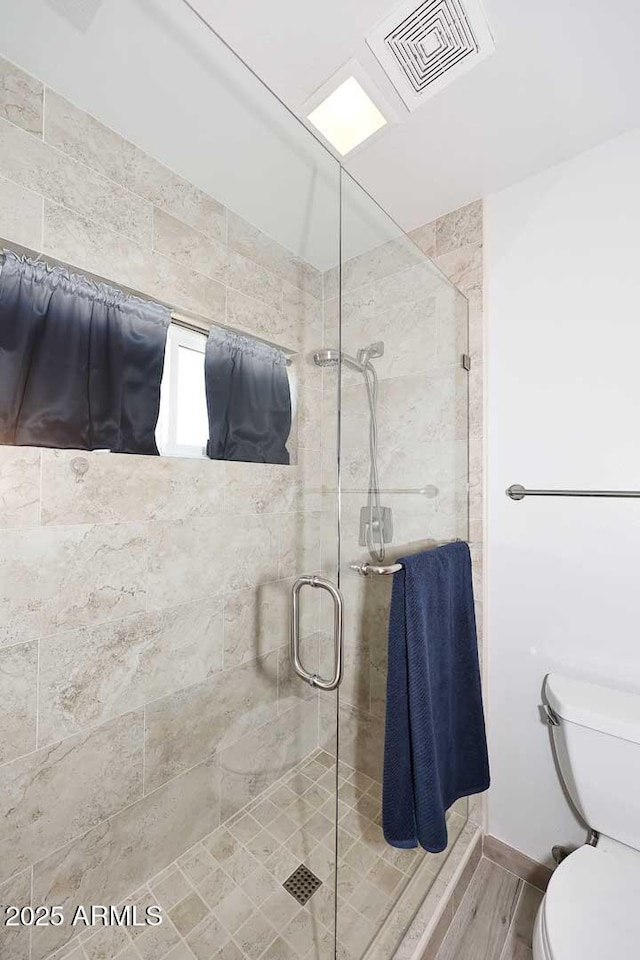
pixel 347 117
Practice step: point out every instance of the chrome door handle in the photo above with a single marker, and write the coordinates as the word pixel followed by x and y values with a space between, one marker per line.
pixel 312 678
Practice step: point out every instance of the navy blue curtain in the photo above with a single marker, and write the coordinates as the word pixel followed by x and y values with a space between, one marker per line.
pixel 80 362
pixel 248 399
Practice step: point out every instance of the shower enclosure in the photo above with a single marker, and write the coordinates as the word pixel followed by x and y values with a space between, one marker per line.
pixel 185 760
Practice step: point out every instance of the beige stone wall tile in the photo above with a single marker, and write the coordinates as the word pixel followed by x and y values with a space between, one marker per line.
pixel 366 619
pixel 477 568
pixel 204 558
pixel 37 166
pixel 331 283
pixel 475 530
pixel 188 726
pixel 361 737
pixel 122 487
pixel 113 859
pixel 15 941
pixel 101 671
pixel 261 757
pixel 252 243
pixel 20 98
pixel 452 321
pixel 65 577
pixel 308 425
pixel 248 315
pixel 476 400
pixel 304 314
pixel 383 261
pixel 18 700
pixel 409 334
pixel 291 687
pixel 425 238
pixel 273 488
pixel 415 283
pixel 358 307
pixel 463 266
pixel 20 215
pixel 300 538
pixel 88 245
pixel 476 478
pixel 421 421
pixel 355 689
pixel 186 562
pixel 459 228
pixel 256 620
pixel 175 239
pixel 476 331
pixel 19 486
pixel 479 610
pixel 250 278
pixel 57 793
pixel 86 139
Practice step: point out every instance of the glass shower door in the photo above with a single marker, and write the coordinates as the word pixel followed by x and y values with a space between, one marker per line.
pixel 403 488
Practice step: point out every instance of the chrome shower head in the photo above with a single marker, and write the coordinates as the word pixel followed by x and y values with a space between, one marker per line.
pixel 331 358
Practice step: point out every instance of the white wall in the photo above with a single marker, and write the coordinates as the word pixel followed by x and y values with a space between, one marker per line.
pixel 562 255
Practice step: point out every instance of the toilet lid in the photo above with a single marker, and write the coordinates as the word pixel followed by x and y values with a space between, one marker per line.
pixel 592 908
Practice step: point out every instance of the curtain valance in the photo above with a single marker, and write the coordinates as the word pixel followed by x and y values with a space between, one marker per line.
pixel 248 399
pixel 80 362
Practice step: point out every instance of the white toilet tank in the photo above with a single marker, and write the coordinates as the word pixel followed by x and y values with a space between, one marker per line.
pixel 598 748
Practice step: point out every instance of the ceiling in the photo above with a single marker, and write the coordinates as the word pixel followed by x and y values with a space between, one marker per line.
pixel 565 76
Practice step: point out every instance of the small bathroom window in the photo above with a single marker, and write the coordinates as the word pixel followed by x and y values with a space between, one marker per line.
pixel 183 426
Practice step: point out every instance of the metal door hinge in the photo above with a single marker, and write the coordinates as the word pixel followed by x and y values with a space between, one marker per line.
pixel 466 361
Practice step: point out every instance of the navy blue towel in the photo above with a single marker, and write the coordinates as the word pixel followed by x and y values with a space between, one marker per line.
pixel 435 745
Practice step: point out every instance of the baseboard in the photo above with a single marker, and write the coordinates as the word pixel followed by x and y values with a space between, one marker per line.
pixel 537 874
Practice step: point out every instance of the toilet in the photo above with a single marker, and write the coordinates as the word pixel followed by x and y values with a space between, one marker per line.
pixel 591 910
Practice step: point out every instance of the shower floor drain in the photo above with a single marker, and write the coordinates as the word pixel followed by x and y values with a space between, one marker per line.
pixel 302 884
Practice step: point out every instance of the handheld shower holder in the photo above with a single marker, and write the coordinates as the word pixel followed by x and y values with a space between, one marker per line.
pixel 372 352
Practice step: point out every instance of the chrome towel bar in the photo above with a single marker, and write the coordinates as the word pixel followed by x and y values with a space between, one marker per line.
pixel 386 569
pixel 381 569
pixel 518 492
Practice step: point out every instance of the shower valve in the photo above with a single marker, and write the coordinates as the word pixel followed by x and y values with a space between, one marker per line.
pixel 382 525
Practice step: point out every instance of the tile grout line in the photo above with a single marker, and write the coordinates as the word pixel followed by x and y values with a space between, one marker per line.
pixel 70 158
pixel 219 674
pixel 45 87
pixel 152 249
pixel 38 691
pixel 512 873
pixel 30 948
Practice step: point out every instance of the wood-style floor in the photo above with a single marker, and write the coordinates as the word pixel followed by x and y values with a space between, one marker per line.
pixel 495 918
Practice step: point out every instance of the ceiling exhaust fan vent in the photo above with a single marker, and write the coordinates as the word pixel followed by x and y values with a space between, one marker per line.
pixel 423 49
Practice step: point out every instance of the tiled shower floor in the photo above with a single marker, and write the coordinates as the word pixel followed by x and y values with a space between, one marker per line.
pixel 224 898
